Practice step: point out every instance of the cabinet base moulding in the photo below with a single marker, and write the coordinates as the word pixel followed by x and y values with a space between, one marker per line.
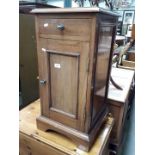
pixel 82 140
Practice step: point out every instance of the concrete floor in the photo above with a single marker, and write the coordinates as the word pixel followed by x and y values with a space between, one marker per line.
pixel 129 143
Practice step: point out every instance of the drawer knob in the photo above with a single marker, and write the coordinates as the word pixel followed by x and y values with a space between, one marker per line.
pixel 42 82
pixel 60 27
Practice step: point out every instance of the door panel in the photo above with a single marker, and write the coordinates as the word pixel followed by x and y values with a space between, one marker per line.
pixel 67 70
pixel 64 83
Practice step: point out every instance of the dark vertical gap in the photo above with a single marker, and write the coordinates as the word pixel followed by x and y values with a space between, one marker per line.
pixel 49 79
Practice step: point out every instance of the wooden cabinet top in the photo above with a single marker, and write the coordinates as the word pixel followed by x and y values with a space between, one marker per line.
pixel 72 10
pixel 122 77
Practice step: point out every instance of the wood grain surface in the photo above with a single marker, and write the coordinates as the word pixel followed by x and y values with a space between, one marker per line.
pixel 38 142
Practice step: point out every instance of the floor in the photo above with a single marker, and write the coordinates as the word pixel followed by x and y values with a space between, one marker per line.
pixel 129 143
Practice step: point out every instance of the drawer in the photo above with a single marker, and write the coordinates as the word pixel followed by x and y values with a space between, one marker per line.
pixel 72 29
pixel 31 146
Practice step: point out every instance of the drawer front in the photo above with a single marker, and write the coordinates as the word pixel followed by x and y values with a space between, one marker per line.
pixel 72 29
pixel 31 146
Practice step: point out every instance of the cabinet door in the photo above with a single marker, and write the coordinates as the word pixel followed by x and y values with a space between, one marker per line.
pixel 63 80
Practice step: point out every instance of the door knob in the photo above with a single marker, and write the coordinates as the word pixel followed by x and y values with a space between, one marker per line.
pixel 42 82
pixel 60 27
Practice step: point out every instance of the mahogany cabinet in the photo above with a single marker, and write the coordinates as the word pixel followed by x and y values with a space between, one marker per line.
pixel 74 53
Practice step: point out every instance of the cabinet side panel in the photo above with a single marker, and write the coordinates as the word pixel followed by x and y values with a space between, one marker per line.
pixel 103 56
pixel 106 35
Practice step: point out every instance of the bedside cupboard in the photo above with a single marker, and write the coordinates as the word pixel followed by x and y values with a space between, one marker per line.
pixel 74 48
